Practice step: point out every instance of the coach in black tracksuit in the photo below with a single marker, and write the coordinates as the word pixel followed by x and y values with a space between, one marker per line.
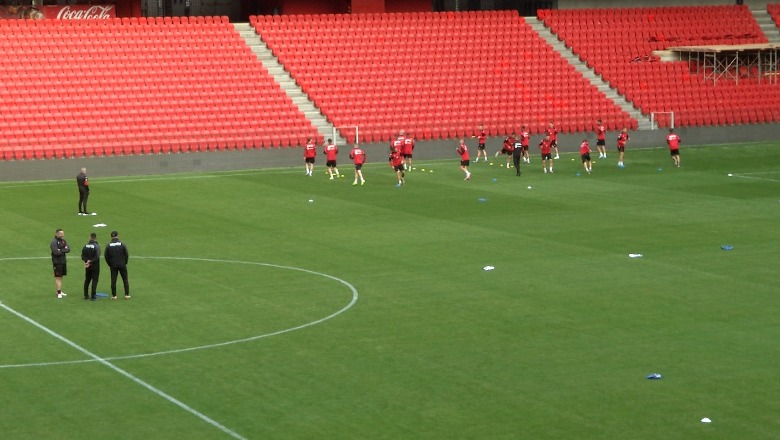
pixel 517 154
pixel 116 257
pixel 90 254
pixel 83 183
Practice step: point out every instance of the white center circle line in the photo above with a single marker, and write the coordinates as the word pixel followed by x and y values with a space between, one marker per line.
pixel 207 346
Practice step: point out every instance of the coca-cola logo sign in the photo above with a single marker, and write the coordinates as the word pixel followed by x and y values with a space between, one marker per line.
pixel 80 12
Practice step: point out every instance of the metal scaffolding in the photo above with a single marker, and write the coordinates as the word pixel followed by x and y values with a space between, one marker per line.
pixel 733 62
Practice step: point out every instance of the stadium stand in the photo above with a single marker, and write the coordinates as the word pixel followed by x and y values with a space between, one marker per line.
pixel 137 86
pixel 436 75
pixel 619 45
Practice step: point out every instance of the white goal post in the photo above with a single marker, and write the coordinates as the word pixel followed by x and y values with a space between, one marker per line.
pixel 346 129
pixel 653 119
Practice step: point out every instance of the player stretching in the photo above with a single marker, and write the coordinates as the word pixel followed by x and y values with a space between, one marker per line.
pixel 552 133
pixel 601 142
pixel 673 140
pixel 481 138
pixel 463 150
pixel 509 147
pixel 546 146
pixel 358 157
pixel 585 155
pixel 621 141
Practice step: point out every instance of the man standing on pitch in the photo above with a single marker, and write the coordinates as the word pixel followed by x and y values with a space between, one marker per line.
pixel 408 151
pixel 552 133
pixel 116 257
pixel 525 137
pixel 673 140
pixel 621 146
pixel 59 247
pixel 309 156
pixel 90 254
pixel 481 140
pixel 83 183
pixel 463 151
pixel 601 139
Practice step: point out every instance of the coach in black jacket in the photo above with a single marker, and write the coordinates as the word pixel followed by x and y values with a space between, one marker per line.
pixel 90 254
pixel 116 257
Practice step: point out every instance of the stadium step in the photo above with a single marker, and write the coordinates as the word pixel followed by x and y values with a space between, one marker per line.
pixel 286 82
pixel 539 27
pixel 767 25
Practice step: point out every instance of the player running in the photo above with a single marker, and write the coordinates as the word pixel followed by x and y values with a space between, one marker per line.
pixel 397 162
pixel 674 141
pixel 331 152
pixel 545 146
pixel 585 155
pixel 358 157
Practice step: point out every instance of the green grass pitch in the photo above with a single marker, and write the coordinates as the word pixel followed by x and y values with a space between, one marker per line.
pixel 244 324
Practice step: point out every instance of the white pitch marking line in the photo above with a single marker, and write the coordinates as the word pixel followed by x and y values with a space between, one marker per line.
pixel 744 176
pixel 203 347
pixel 146 385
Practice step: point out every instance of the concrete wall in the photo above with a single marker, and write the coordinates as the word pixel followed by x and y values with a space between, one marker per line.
pixel 57 169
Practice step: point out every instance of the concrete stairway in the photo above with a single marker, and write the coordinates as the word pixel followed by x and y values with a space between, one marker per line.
pixel 603 86
pixel 284 79
pixel 768 26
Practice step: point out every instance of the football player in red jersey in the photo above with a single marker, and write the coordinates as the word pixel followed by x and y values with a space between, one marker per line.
pixel 621 145
pixel 601 139
pixel 481 139
pixel 397 162
pixel 463 150
pixel 673 140
pixel 408 150
pixel 508 148
pixel 525 137
pixel 358 157
pixel 398 143
pixel 552 132
pixel 309 154
pixel 545 146
pixel 331 153
pixel 585 155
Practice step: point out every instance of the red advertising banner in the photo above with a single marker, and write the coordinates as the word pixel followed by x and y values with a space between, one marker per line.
pixel 66 12
pixel 79 12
